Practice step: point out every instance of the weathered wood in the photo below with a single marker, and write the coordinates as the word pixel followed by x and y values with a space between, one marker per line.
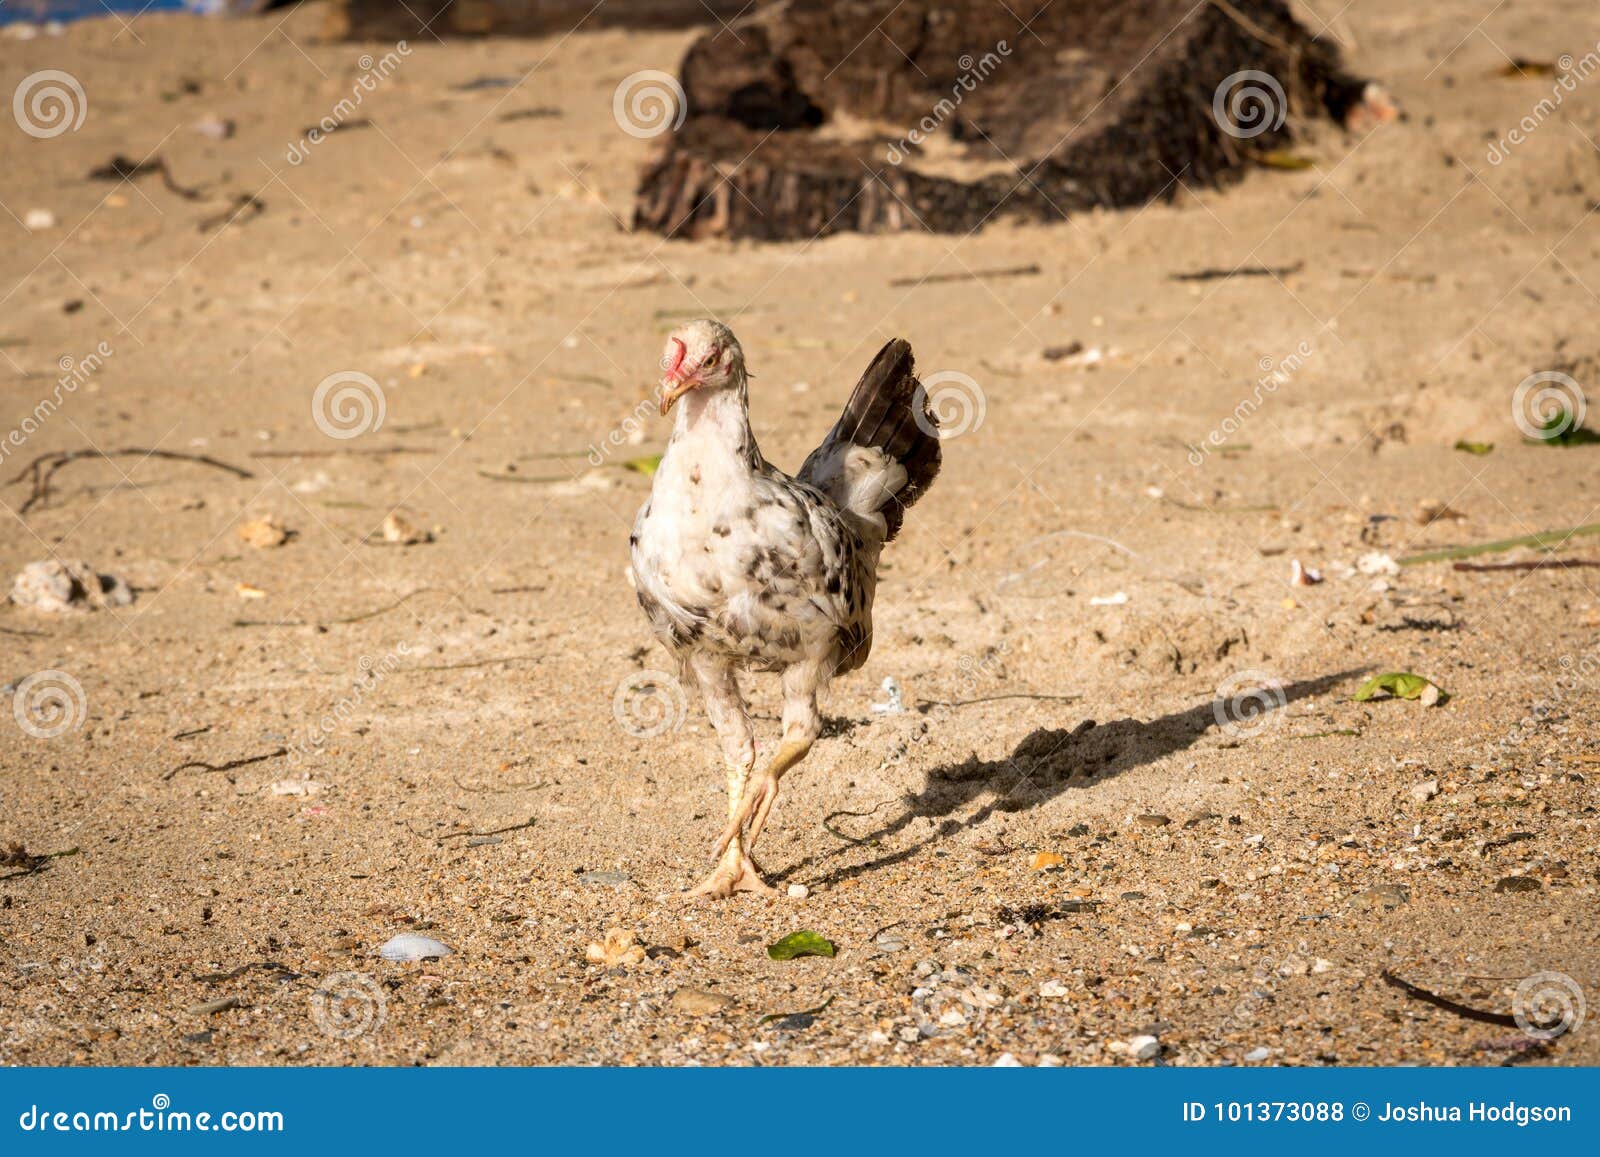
pixel 416 19
pixel 816 116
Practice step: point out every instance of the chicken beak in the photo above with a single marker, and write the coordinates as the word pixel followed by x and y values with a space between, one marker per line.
pixel 672 389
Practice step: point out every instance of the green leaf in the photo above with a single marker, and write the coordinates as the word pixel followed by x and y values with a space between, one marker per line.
pixel 1562 429
pixel 1283 159
pixel 1400 684
pixel 646 465
pixel 800 944
pixel 1479 448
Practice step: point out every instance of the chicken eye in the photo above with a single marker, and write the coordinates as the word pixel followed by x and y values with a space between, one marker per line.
pixel 711 359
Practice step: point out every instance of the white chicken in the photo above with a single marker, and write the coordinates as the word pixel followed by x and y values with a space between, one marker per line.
pixel 741 567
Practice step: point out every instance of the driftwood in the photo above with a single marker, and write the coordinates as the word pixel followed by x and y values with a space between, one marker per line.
pixel 811 117
pixel 424 19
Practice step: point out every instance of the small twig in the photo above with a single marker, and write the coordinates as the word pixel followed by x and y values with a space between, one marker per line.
pixel 528 785
pixel 1446 1003
pixel 1545 540
pixel 1539 564
pixel 528 823
pixel 1220 274
pixel 192 733
pixel 241 202
pixel 269 965
pixel 340 452
pixel 43 468
pixel 967 275
pixel 994 699
pixel 470 666
pixel 490 474
pixel 22 633
pixel 30 863
pixel 231 765
pixel 821 1008
pixel 365 615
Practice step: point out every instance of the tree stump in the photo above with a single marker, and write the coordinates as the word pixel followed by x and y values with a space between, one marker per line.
pixel 812 117
pixel 419 19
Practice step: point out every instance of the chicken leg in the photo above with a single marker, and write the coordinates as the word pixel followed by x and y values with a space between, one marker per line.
pixel 735 871
pixel 802 723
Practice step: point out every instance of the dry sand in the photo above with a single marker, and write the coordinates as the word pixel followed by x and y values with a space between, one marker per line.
pixel 478 268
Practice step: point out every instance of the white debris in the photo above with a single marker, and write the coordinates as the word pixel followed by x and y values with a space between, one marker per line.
pixel 1258 1054
pixel 1053 990
pixel 1425 790
pixel 1300 576
pixel 295 787
pixel 1377 563
pixel 798 891
pixel 1144 1048
pixel 1113 600
pixel 895 703
pixel 1006 1061
pixel 410 946
pixel 54 587
pixel 38 220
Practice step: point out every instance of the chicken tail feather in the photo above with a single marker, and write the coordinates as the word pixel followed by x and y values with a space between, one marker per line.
pixel 888 413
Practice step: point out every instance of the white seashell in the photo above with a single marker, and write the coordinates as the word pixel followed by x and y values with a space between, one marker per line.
pixel 410 946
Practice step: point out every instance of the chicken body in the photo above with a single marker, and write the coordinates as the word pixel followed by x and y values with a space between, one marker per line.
pixel 741 567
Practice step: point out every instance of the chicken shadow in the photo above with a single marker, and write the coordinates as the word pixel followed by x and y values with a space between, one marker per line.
pixel 1044 765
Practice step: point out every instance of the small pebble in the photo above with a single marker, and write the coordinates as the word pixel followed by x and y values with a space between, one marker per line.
pixel 38 220
pixel 1258 1054
pixel 798 891
pixel 1144 1048
pixel 1425 791
pixel 1053 990
pixel 1006 1061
